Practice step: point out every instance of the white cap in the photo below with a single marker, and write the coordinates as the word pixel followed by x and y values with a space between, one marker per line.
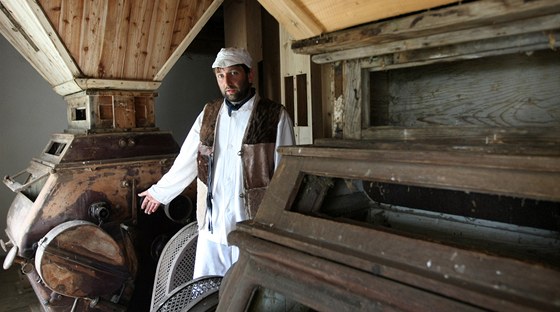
pixel 232 56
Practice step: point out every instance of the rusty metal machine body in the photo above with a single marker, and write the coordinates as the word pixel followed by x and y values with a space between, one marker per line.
pixel 74 224
pixel 90 169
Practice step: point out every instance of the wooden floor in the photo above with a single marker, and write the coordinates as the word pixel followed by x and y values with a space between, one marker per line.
pixel 16 294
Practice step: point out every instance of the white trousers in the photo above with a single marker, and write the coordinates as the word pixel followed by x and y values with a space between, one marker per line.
pixel 213 258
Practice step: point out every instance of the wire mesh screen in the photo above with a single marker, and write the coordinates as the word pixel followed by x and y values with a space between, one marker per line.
pixel 200 294
pixel 176 264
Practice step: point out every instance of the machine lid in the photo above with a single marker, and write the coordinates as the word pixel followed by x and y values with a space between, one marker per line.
pixel 79 259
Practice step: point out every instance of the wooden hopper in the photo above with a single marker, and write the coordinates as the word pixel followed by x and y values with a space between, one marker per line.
pixel 106 58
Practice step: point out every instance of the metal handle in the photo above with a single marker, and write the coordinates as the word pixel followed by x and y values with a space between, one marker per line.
pixel 17 187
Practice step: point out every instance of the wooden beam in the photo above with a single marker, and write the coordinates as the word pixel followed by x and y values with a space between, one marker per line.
pixel 309 18
pixel 500 32
pixel 82 84
pixel 67 88
pixel 537 141
pixel 27 29
pixel 453 18
pixel 243 30
pixel 352 111
pixel 340 14
pixel 297 21
pixel 522 43
pixel 113 84
pixel 187 40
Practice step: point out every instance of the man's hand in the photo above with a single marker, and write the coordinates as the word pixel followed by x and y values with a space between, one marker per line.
pixel 149 204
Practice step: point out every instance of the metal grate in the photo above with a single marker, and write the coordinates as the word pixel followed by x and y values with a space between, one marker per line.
pixel 198 294
pixel 176 264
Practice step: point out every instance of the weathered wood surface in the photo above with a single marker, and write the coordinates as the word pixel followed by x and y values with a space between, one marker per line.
pixel 123 39
pixel 108 40
pixel 538 141
pixel 513 84
pixel 527 33
pixel 453 18
pixel 516 90
pixel 352 101
pixel 521 43
pixel 79 84
pixel 488 281
pixel 110 110
pixel 307 244
pixel 27 31
pixel 308 18
pixel 523 175
pixel 316 282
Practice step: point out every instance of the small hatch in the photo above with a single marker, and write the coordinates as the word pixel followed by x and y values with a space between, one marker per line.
pixel 56 148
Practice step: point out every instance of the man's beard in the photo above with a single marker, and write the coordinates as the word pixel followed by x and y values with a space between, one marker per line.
pixel 239 96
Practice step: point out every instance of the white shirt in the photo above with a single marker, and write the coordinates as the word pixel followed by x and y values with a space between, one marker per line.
pixel 228 206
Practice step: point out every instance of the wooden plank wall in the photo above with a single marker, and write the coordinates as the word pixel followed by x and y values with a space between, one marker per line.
pixel 414 71
pixel 516 90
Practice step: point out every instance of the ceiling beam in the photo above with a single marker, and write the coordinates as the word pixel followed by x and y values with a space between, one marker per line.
pixel 25 26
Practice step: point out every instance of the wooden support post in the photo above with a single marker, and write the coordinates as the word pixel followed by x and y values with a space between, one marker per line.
pixel 242 19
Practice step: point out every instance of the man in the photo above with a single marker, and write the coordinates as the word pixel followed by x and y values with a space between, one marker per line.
pixel 231 148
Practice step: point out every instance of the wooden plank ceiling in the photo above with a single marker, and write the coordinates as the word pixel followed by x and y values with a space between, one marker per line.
pixel 123 39
pixel 132 44
pixel 110 44
pixel 309 18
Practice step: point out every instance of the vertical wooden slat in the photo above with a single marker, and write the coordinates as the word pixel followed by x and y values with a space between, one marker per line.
pixel 270 85
pixel 182 21
pixel 161 33
pixel 92 36
pixel 187 11
pixel 352 115
pixel 301 95
pixel 289 96
pixel 242 21
pixel 317 103
pixel 54 11
pixel 69 26
pixel 115 49
pixel 150 32
pixel 204 13
pixel 338 103
pixel 136 54
pixel 124 112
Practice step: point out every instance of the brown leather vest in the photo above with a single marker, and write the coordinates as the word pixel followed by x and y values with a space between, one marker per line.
pixel 257 150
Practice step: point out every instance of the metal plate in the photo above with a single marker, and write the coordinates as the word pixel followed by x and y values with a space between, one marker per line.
pixel 79 259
